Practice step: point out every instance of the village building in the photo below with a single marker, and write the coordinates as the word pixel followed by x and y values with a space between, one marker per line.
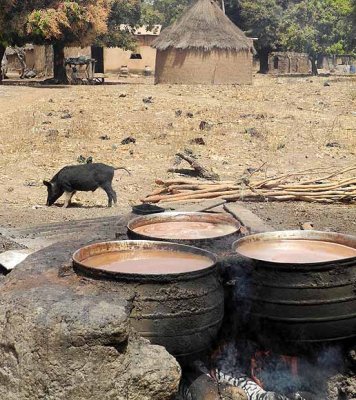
pixel 108 60
pixel 204 47
pixel 37 58
pixel 339 64
pixel 289 63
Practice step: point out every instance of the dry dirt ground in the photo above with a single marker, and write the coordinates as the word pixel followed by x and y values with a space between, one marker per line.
pixel 298 123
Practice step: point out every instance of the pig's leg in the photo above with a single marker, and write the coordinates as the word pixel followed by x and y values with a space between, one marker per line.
pixel 114 197
pixel 109 191
pixel 68 198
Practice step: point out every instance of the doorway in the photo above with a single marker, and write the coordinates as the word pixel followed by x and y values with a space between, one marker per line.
pixel 98 54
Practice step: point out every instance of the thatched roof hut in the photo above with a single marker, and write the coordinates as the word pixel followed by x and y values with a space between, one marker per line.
pixel 203 46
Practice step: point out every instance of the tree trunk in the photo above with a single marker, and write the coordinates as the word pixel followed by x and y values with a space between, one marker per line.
pixel 313 60
pixel 60 73
pixel 2 52
pixel 263 56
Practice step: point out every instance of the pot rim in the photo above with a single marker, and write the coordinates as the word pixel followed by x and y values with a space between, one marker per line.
pixel 100 273
pixel 332 237
pixel 133 223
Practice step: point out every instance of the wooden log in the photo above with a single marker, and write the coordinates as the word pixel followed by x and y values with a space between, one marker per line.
pixel 323 186
pixel 199 169
pixel 197 196
pixel 226 189
pixel 158 191
pixel 192 187
pixel 186 181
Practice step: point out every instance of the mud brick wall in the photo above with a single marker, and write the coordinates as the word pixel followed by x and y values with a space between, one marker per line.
pixel 289 63
pixel 203 67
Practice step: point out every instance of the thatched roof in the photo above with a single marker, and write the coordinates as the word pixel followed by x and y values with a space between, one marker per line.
pixel 204 26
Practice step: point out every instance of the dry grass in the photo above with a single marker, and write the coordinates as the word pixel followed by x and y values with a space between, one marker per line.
pixel 287 123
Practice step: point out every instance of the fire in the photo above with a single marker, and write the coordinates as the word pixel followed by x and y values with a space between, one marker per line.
pixel 264 360
pixel 257 362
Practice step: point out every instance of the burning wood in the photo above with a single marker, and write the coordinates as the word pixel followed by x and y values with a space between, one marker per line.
pixel 323 189
pixel 253 391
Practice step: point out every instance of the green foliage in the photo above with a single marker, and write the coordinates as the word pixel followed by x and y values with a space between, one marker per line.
pixel 317 27
pixel 163 12
pixel 261 18
pixel 122 12
pixel 69 22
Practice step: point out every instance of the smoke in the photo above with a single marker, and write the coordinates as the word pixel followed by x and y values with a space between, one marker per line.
pixel 309 380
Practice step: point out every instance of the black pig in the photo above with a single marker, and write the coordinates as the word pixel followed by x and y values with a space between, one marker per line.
pixel 86 178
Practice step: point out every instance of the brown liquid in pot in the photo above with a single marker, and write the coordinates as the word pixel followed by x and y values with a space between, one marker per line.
pixel 296 251
pixel 185 230
pixel 154 262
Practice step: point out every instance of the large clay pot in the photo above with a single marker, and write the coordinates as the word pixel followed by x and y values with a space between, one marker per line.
pixel 181 311
pixel 305 302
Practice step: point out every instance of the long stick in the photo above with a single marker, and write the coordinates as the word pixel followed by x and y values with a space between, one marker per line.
pixel 199 196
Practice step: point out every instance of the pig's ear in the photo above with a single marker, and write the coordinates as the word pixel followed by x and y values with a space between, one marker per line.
pixel 46 183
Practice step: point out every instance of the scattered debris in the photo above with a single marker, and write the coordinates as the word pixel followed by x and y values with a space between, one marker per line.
pixel 104 137
pixel 83 160
pixel 66 116
pixel 162 136
pixel 32 184
pixel 178 113
pixel 333 144
pixel 128 140
pixel 326 83
pixel 198 140
pixel 148 100
pixel 205 126
pixel 198 169
pixel 123 95
pixel 190 115
pixel 255 116
pixel 52 134
pixel 253 132
pixel 307 226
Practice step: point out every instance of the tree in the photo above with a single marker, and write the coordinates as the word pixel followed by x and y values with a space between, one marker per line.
pixel 11 23
pixel 163 12
pixel 122 12
pixel 68 23
pixel 317 27
pixel 261 19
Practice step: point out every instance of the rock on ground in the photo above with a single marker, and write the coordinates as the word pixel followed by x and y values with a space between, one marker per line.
pixel 62 338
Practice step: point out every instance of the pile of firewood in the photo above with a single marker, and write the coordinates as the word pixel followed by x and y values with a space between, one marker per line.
pixel 334 187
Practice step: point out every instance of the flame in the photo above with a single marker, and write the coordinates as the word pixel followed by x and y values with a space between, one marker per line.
pixel 261 359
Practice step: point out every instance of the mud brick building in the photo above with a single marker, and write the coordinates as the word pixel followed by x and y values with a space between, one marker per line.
pixel 289 63
pixel 204 47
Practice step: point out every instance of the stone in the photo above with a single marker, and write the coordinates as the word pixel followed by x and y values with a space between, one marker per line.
pixel 247 218
pixel 66 116
pixel 128 140
pixel 10 259
pixel 229 392
pixel 66 337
